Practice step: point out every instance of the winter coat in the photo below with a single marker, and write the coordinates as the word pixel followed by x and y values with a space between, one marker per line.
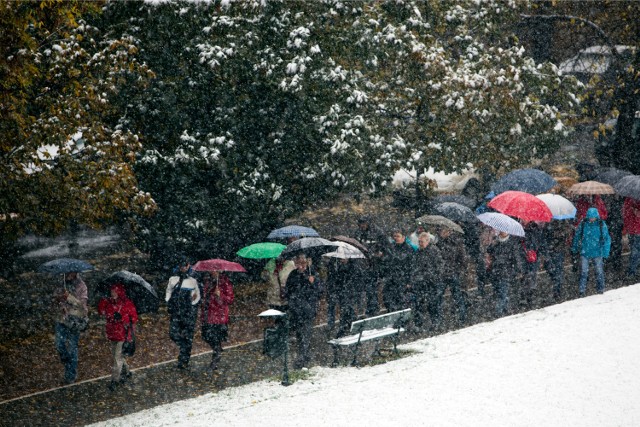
pixel 276 273
pixel 454 256
pixel 215 309
pixel 74 303
pixel 398 262
pixel 533 239
pixel 119 313
pixel 505 259
pixel 592 239
pixel 427 266
pixel 556 236
pixel 631 215
pixel 302 295
pixel 376 242
pixel 189 296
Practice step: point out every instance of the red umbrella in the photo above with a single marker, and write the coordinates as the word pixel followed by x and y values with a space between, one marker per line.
pixel 218 265
pixel 521 205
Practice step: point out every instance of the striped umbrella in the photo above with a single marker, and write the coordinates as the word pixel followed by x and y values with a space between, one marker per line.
pixel 560 207
pixel 502 222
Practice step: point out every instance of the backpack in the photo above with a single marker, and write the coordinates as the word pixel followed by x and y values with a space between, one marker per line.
pixel 179 303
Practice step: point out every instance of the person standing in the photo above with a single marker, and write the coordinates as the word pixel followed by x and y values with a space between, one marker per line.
pixel 71 319
pixel 375 240
pixel 555 242
pixel 426 282
pixel 182 297
pixel 398 271
pixel 631 217
pixel 454 270
pixel 531 244
pixel 217 296
pixel 503 265
pixel 303 291
pixel 276 272
pixel 121 316
pixel 592 243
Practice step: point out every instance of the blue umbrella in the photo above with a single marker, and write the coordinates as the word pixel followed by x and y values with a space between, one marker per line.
pixel 293 231
pixel 64 265
pixel 532 181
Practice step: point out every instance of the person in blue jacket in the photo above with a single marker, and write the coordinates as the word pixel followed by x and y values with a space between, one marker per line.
pixel 593 243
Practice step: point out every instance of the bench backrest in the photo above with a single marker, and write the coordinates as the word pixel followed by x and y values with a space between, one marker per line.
pixel 395 320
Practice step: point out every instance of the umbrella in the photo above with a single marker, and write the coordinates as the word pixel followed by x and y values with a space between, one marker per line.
pixel 560 207
pixel 590 188
pixel 139 291
pixel 351 241
pixel 532 181
pixel 345 251
pixel 64 265
pixel 308 245
pixel 454 198
pixel 439 221
pixel 217 264
pixel 610 176
pixel 629 186
pixel 261 250
pixel 502 222
pixel 521 205
pixel 292 231
pixel 455 212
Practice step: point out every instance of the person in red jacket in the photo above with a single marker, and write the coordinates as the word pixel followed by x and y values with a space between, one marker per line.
pixel 121 316
pixel 217 297
pixel 631 219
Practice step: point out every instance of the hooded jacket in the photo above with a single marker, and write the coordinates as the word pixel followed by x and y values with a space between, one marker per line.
pixel 592 239
pixel 119 312
pixel 631 215
pixel 215 309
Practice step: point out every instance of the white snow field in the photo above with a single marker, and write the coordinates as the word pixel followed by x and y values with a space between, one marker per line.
pixel 573 364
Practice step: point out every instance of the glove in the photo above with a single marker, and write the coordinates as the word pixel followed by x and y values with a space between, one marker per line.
pixel 117 316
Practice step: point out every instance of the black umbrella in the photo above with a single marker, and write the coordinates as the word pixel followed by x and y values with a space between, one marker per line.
pixel 455 212
pixel 454 198
pixel 629 186
pixel 610 176
pixel 532 181
pixel 64 265
pixel 139 291
pixel 311 246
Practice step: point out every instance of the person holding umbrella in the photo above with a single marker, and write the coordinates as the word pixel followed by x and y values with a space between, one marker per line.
pixel 303 291
pixel 70 302
pixel 182 296
pixel 503 265
pixel 121 317
pixel 454 267
pixel 218 296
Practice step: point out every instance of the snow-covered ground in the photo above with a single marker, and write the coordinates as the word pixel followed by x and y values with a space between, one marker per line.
pixel 573 364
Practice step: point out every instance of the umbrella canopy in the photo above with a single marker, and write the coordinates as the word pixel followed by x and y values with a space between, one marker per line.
pixel 502 222
pixel 629 186
pixel 309 246
pixel 590 188
pixel 139 291
pixel 521 205
pixel 352 242
pixel 454 198
pixel 439 221
pixel 261 250
pixel 455 212
pixel 64 265
pixel 217 264
pixel 610 176
pixel 345 251
pixel 532 181
pixel 292 231
pixel 560 207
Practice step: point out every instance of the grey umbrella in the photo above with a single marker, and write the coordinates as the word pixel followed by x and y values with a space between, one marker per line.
pixel 455 212
pixel 439 221
pixel 139 291
pixel 629 186
pixel 308 246
pixel 610 176
pixel 454 198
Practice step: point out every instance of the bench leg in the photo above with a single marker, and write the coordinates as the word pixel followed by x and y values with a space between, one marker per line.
pixel 335 356
pixel 354 362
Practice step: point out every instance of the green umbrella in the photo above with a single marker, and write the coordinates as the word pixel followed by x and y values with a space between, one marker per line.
pixel 261 250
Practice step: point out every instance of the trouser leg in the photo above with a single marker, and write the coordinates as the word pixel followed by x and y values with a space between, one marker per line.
pixel 118 360
pixel 584 274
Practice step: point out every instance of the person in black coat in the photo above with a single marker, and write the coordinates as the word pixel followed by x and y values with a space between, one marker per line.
pixel 454 272
pixel 503 265
pixel 303 291
pixel 426 282
pixel 397 271
pixel 376 242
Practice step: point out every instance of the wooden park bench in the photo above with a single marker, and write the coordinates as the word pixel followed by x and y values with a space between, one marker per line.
pixel 372 329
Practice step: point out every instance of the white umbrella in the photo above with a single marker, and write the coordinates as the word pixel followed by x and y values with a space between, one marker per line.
pixel 560 207
pixel 345 251
pixel 502 222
